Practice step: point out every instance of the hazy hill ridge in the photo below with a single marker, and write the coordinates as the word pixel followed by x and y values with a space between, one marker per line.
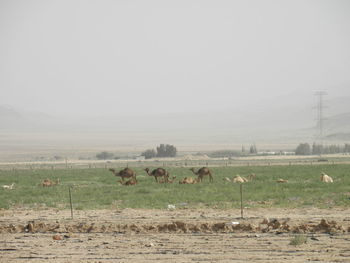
pixel 266 120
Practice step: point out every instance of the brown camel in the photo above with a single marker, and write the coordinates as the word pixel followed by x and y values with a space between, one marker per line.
pixel 167 180
pixel 171 181
pixel 159 172
pixel 252 176
pixel 49 183
pixel 129 182
pixel 125 173
pixel 189 180
pixel 202 172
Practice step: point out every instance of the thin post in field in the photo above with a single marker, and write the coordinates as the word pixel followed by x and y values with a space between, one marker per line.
pixel 241 191
pixel 70 201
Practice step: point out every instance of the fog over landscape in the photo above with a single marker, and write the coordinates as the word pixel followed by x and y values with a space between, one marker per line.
pixel 203 75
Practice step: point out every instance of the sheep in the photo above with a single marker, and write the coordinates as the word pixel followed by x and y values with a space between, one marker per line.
pixel 10 187
pixel 326 178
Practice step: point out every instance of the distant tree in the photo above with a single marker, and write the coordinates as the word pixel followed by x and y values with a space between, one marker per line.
pixel 104 155
pixel 150 153
pixel 161 152
pixel 303 149
pixel 57 157
pixel 334 149
pixel 253 149
pixel 170 150
pixel 317 148
pixel 347 148
pixel 320 149
pixel 166 150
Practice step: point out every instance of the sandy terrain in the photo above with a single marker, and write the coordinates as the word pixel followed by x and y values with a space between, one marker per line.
pixel 179 235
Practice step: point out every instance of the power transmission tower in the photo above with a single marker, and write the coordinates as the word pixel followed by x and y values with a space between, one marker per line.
pixel 320 112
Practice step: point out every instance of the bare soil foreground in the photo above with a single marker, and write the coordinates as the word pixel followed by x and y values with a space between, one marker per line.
pixel 177 235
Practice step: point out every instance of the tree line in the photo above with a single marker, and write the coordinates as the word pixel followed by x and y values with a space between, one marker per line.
pixel 163 150
pixel 316 149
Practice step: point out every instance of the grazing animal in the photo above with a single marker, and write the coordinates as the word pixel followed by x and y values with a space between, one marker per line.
pixel 189 180
pixel 124 173
pixel 204 171
pixel 326 178
pixel 282 181
pixel 166 180
pixel 172 180
pixel 49 183
pixel 10 187
pixel 239 179
pixel 159 172
pixel 129 182
pixel 252 176
pixel 46 183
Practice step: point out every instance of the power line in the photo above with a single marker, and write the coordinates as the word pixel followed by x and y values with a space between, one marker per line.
pixel 320 113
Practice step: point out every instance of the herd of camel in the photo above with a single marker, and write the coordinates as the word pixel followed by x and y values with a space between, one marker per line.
pixel 161 176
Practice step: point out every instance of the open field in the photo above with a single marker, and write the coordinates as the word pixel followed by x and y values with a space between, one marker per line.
pixel 76 145
pixel 98 188
pixel 180 235
pixel 184 161
pixel 114 223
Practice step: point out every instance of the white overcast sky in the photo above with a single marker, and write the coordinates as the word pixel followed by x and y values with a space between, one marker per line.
pixel 137 56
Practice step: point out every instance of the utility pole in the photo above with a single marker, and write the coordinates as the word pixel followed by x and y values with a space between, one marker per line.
pixel 320 117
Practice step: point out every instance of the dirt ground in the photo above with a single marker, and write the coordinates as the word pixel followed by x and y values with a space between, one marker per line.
pixel 176 235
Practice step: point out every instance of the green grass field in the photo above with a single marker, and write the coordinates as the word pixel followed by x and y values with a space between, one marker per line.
pixel 98 189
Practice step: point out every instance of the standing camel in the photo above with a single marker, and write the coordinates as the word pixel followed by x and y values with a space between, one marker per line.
pixel 125 173
pixel 202 172
pixel 159 172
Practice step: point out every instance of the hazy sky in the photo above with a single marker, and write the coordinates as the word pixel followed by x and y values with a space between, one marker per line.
pixel 98 57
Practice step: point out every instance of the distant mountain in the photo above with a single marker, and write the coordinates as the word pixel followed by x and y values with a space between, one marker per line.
pixel 14 120
pixel 282 119
pixel 337 106
pixel 337 127
pixel 10 119
pixel 6 112
pixel 338 137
